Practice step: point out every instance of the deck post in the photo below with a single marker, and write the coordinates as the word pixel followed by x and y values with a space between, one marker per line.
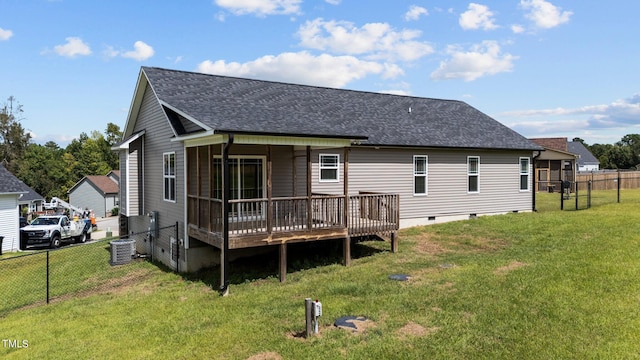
pixel 283 262
pixel 346 251
pixel 347 241
pixel 394 242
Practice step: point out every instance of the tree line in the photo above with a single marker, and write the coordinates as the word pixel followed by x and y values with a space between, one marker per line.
pixel 623 155
pixel 49 169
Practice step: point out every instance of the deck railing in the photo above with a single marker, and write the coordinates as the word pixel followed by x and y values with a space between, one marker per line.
pixel 255 216
pixel 373 213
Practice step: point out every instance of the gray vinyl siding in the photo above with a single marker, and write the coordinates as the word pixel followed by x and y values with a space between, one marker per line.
pixel 391 171
pixel 86 196
pixel 157 140
pixel 110 202
pixel 282 166
pixel 9 224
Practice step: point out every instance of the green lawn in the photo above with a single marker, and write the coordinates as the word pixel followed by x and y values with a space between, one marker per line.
pixel 546 285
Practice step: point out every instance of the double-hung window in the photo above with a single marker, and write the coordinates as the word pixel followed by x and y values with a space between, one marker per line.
pixel 524 174
pixel 329 167
pixel 420 175
pixel 473 174
pixel 169 176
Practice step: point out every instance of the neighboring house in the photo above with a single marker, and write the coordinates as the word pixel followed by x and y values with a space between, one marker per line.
pixel 586 160
pixel 554 165
pixel 97 193
pixel 30 202
pixel 304 164
pixel 11 189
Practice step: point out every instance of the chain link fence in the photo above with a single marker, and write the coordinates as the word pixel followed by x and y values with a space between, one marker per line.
pixel 581 195
pixel 39 277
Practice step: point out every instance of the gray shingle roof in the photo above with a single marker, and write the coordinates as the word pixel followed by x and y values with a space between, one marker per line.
pixel 228 104
pixel 586 157
pixel 30 194
pixel 9 183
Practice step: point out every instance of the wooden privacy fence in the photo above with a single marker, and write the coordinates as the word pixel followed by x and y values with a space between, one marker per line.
pixel 608 180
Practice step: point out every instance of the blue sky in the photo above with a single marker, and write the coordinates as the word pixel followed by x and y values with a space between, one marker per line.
pixel 554 68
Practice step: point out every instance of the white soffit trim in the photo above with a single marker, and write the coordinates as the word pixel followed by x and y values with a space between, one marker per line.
pixel 125 144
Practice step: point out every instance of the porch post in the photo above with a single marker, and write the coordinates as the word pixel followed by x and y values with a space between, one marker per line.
pixel 347 241
pixel 226 194
pixel 309 193
pixel 283 262
pixel 269 192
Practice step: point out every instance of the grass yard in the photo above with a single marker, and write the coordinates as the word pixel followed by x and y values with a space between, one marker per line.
pixel 546 285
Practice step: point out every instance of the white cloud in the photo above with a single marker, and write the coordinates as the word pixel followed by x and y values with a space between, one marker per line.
pixel 477 17
pixel 620 115
pixel 74 47
pixel 415 12
pixel 141 52
pixel 330 71
pixel 517 29
pixel 260 7
pixel 333 2
pixel 623 111
pixel 544 14
pixel 110 52
pixel 481 60
pixel 5 34
pixel 373 40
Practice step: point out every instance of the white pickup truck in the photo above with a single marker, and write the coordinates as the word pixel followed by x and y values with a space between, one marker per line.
pixel 53 230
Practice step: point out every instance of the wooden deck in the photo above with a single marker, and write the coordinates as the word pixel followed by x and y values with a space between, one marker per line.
pixel 263 222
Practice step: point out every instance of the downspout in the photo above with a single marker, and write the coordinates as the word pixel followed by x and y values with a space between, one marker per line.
pixel 224 278
pixel 535 181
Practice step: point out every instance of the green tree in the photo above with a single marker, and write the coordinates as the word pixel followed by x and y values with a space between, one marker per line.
pixel 632 143
pixel 13 137
pixel 577 139
pixel 44 169
pixel 89 154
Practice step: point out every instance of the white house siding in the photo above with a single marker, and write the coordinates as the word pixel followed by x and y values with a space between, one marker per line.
pixel 9 226
pixel 391 171
pixel 157 141
pixel 133 167
pixel 86 196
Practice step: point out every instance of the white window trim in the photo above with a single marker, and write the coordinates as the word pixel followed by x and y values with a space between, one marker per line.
pixel 521 173
pixel 425 175
pixel 337 168
pixel 164 176
pixel 469 174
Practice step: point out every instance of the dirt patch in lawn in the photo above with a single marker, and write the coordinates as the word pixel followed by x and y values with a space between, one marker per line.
pixel 120 285
pixel 508 268
pixel 269 355
pixel 426 245
pixel 416 330
pixel 435 244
